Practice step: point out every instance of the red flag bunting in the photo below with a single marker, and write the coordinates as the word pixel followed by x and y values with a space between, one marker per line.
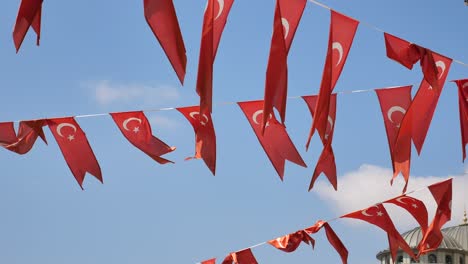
pixel 291 242
pixel 209 261
pixel 334 240
pixel 22 142
pixel 162 19
pixel 136 128
pixel 342 32
pixel 275 141
pixel 75 148
pixel 216 15
pixel 413 206
pixel 442 193
pixel 286 21
pixel 463 108
pixel 205 137
pixel 241 257
pixel 29 15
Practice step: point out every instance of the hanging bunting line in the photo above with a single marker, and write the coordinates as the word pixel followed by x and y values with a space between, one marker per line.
pixel 369 25
pixel 336 218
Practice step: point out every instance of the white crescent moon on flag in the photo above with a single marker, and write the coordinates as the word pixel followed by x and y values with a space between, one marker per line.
pixel 285 23
pixel 394 109
pixel 401 199
pixel 441 64
pixel 62 125
pixel 465 85
pixel 255 117
pixel 125 123
pixel 336 45
pixel 194 114
pixel 221 8
pixel 330 121
pixel 364 212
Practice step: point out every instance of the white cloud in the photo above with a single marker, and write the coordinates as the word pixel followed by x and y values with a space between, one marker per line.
pixel 107 93
pixel 371 184
pixel 163 122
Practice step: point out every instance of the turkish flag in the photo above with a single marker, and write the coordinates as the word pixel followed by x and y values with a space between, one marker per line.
pixel 214 20
pixel 75 148
pixel 342 32
pixel 241 257
pixel 394 103
pixel 205 137
pixel 209 261
pixel 463 108
pixel 413 206
pixel 136 129
pixel 288 14
pixel 22 142
pixel 442 193
pixel 378 216
pixel 334 240
pixel 326 163
pixel 162 19
pixel 275 141
pixel 29 15
pixel 291 242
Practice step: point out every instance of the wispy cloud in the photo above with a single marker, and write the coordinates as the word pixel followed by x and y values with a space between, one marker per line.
pixel 163 122
pixel 371 184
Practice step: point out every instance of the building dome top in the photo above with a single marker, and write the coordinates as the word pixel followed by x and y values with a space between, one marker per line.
pixel 459 234
pixel 414 236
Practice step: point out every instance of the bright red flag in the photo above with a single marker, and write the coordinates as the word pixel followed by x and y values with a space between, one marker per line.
pixel 29 15
pixel 214 20
pixel 463 108
pixel 326 163
pixel 136 128
pixel 210 261
pixel 22 142
pixel 75 148
pixel 162 19
pixel 413 206
pixel 288 14
pixel 378 216
pixel 205 137
pixel 275 141
pixel 241 257
pixel 394 103
pixel 342 32
pixel 442 193
pixel 334 240
pixel 291 242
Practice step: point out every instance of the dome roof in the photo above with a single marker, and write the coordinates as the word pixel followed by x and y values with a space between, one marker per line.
pixel 414 236
pixel 459 234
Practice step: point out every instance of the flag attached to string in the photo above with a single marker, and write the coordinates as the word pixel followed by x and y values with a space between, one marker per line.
pixel 463 109
pixel 29 15
pixel 23 141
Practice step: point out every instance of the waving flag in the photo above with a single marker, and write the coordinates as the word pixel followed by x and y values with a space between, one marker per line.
pixel 75 148
pixel 288 14
pixel 333 239
pixel 29 15
pixel 463 108
pixel 162 19
pixel 413 206
pixel 22 142
pixel 214 20
pixel 291 242
pixel 136 129
pixel 209 261
pixel 241 257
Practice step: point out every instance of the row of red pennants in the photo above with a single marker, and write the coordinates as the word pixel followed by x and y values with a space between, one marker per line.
pixel 376 215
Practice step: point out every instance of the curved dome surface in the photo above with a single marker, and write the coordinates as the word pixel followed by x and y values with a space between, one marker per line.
pixel 414 236
pixel 459 234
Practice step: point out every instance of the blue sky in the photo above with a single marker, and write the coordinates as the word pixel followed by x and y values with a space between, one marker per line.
pixel 98 57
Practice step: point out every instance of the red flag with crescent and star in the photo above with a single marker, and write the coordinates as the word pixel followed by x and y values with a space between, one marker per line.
pixel 413 206
pixel 394 103
pixel 137 130
pixel 378 216
pixel 275 140
pixel 326 163
pixel 29 15
pixel 288 14
pixel 214 20
pixel 75 148
pixel 333 239
pixel 205 137
pixel 241 257
pixel 463 108
pixel 291 242
pixel 162 19
pixel 442 193
pixel 342 32
pixel 23 141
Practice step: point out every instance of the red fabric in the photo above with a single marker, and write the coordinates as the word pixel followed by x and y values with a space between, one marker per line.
pixel 394 104
pixel 442 193
pixel 413 206
pixel 241 257
pixel 205 137
pixel 162 19
pixel 214 20
pixel 75 148
pixel 210 261
pixel 29 15
pixel 334 240
pixel 22 142
pixel 288 14
pixel 291 242
pixel 463 108
pixel 275 141
pixel 326 163
pixel 378 216
pixel 136 129
pixel 342 32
